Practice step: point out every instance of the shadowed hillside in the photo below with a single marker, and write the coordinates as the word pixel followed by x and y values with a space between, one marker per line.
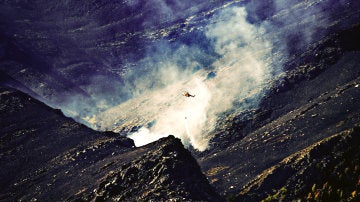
pixel 46 156
pixel 92 104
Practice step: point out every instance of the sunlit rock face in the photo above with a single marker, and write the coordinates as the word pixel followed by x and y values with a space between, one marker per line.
pixel 123 66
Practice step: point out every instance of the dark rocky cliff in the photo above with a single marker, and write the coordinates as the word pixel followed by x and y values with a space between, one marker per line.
pixel 166 172
pixel 46 156
pixel 301 142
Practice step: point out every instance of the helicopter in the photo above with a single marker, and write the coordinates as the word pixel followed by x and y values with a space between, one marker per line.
pixel 187 94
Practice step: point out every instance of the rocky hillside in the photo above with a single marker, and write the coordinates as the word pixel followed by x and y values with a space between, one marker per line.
pixel 325 171
pixel 166 172
pixel 318 97
pixel 48 157
pixel 298 141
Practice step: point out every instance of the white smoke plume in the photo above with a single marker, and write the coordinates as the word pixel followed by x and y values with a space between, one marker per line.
pixel 240 72
pixel 97 46
pixel 248 51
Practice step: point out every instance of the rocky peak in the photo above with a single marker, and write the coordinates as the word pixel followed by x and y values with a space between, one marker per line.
pixel 166 172
pixel 42 151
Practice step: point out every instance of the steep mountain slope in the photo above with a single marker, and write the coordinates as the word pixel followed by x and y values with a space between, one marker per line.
pixel 103 62
pixel 84 48
pixel 325 171
pixel 38 142
pixel 6 80
pixel 48 157
pixel 317 98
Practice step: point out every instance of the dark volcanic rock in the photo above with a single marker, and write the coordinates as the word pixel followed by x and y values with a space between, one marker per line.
pixel 325 171
pixel 40 147
pixel 48 157
pixel 166 172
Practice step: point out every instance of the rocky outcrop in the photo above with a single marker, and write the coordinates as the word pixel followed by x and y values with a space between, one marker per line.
pixel 166 172
pixel 48 157
pixel 39 146
pixel 325 171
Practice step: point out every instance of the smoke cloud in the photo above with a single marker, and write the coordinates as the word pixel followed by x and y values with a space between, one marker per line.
pixel 240 71
pixel 249 45
pixel 115 68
